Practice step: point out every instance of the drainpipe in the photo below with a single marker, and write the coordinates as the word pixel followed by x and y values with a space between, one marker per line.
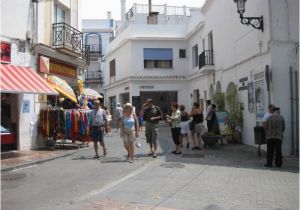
pixel 292 109
pixel 297 113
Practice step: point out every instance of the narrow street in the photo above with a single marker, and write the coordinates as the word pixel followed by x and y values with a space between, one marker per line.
pixel 225 177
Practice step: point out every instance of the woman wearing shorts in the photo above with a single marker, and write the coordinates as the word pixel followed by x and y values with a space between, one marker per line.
pixel 129 130
pixel 184 126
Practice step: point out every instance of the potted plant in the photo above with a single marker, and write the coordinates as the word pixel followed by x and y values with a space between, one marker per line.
pixel 235 110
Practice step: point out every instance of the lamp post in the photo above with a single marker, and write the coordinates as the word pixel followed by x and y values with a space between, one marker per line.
pixel 255 22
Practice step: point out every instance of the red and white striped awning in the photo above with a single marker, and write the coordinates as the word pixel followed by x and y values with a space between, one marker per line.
pixel 17 79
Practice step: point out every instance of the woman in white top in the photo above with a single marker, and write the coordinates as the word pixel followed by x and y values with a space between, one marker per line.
pixel 129 130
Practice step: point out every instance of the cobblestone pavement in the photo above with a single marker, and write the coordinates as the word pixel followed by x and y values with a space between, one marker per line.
pixel 226 177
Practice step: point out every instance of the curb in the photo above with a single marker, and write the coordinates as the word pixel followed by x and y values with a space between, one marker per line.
pixel 10 168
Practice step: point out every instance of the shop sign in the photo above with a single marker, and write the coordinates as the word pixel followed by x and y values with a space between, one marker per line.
pixel 44 64
pixel 62 69
pixel 5 52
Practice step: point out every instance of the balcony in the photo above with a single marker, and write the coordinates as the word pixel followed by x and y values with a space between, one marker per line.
pixel 206 62
pixel 94 77
pixel 69 40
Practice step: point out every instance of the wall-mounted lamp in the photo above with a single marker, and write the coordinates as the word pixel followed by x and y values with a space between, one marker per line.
pixel 255 22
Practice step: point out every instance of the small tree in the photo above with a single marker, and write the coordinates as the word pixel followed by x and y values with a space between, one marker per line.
pixel 234 110
pixel 219 100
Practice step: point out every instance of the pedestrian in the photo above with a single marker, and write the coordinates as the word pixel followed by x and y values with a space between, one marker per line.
pixel 184 124
pixel 140 119
pixel 197 126
pixel 98 122
pixel 119 115
pixel 109 118
pixel 274 127
pixel 152 115
pixel 175 119
pixel 214 120
pixel 268 114
pixel 129 130
pixel 208 117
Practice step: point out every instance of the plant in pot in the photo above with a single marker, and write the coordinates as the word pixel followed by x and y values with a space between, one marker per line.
pixel 235 111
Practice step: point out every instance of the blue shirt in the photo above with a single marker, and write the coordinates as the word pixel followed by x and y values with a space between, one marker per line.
pixel 128 122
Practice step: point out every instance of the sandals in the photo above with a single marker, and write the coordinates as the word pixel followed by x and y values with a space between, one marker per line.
pixel 154 155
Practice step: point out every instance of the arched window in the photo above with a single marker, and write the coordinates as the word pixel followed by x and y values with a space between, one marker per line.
pixel 211 91
pixel 219 87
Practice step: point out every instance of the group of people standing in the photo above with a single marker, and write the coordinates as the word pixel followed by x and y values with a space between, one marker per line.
pixel 181 125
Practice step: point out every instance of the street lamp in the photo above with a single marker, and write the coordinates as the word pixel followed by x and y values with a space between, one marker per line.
pixel 255 22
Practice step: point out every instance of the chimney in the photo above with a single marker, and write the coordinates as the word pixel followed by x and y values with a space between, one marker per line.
pixel 150 7
pixel 123 9
pixel 153 16
pixel 108 15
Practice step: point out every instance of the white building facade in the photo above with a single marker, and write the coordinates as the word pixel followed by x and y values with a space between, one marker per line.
pixel 234 56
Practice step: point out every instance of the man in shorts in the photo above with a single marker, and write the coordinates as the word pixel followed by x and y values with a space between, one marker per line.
pixel 152 115
pixel 98 123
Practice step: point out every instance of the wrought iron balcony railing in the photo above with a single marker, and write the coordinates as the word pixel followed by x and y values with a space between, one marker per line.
pixel 86 54
pixel 65 37
pixel 206 58
pixel 94 77
pixel 95 49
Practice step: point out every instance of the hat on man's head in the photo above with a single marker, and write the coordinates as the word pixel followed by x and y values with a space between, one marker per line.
pixel 118 104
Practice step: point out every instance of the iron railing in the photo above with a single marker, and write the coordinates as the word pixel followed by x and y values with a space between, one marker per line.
pixel 95 49
pixel 94 77
pixel 65 36
pixel 206 58
pixel 86 54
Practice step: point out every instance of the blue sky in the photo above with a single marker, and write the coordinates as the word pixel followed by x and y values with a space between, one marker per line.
pixel 98 8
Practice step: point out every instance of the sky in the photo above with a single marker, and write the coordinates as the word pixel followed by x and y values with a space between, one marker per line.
pixel 97 9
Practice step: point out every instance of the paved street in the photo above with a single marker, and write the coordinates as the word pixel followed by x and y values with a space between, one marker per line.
pixel 226 177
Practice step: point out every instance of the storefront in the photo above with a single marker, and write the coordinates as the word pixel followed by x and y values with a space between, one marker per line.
pixel 22 91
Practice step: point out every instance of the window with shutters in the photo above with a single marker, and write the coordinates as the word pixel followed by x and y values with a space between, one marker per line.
pixel 161 58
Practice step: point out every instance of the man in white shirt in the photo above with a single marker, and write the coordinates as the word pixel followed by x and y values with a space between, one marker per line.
pixel 268 114
pixel 98 122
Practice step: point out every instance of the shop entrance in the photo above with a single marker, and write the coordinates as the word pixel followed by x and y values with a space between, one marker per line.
pixel 9 121
pixel 124 98
pixel 163 99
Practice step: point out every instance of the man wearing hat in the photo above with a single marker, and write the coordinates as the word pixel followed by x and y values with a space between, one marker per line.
pixel 274 127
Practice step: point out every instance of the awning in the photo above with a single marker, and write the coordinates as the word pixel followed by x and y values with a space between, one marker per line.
pixel 92 94
pixel 17 79
pixel 158 54
pixel 62 87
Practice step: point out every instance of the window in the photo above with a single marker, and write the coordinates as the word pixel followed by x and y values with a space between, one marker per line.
pixel 112 70
pixel 158 58
pixel 59 15
pixel 195 55
pixel 182 53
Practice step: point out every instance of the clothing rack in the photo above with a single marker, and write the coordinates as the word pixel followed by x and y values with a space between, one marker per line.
pixel 60 127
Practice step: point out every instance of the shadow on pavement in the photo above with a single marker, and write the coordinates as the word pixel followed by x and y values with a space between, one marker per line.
pixel 227 155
